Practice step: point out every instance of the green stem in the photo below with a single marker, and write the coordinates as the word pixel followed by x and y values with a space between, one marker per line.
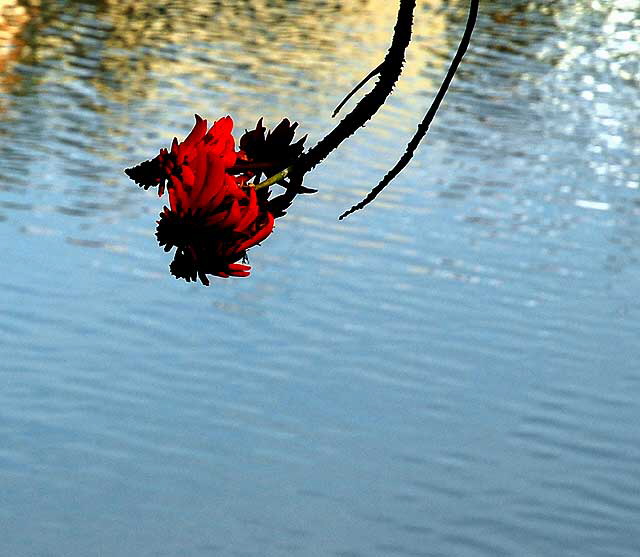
pixel 275 178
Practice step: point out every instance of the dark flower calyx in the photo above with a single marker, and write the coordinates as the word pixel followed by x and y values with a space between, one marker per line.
pixel 191 265
pixel 179 230
pixel 269 154
pixel 147 174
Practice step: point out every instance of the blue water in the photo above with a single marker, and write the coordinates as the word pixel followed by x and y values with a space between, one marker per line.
pixel 452 372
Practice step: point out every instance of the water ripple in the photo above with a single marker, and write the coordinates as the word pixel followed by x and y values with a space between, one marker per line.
pixel 449 372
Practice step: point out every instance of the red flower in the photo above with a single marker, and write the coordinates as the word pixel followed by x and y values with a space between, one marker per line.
pixel 214 217
pixel 214 214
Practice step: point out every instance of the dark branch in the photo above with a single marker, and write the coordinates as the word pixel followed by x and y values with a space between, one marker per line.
pixel 423 127
pixel 390 70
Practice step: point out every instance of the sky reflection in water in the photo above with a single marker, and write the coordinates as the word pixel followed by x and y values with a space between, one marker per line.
pixel 452 371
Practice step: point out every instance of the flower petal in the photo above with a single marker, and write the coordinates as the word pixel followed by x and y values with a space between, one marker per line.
pixel 258 236
pixel 238 270
pixel 214 186
pixel 233 215
pixel 250 212
pixel 197 133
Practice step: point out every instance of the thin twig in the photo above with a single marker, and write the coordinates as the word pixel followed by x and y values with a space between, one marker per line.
pixel 344 101
pixel 423 127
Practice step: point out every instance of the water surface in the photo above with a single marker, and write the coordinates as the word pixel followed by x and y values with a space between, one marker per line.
pixel 451 372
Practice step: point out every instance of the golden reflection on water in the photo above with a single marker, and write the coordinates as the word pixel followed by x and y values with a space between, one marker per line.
pixel 13 16
pixel 128 49
pixel 271 43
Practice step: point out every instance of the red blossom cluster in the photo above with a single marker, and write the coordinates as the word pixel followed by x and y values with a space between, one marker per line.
pixel 215 214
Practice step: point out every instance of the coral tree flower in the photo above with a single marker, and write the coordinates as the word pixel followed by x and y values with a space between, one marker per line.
pixel 215 215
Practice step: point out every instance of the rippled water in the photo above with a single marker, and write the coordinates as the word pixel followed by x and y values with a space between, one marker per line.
pixel 451 372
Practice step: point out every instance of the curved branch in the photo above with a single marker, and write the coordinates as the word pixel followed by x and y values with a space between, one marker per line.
pixel 390 70
pixel 423 127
